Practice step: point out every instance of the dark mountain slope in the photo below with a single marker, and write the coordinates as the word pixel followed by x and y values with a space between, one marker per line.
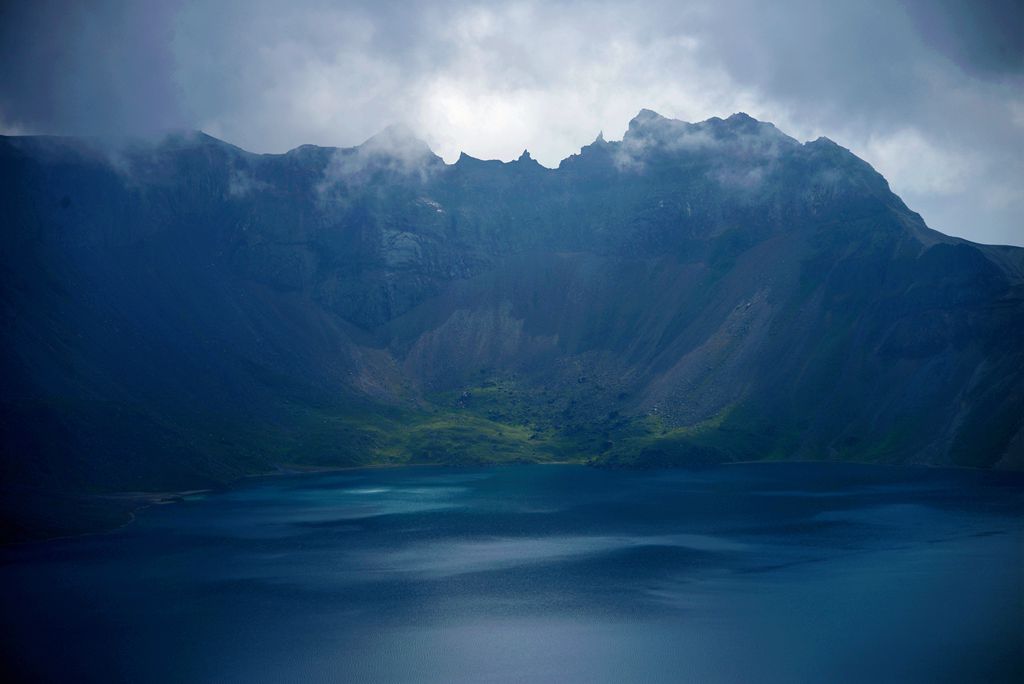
pixel 181 313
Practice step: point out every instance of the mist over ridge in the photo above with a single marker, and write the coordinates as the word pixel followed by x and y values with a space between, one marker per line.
pixel 932 100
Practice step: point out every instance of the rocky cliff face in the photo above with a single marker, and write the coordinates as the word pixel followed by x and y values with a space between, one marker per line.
pixel 184 312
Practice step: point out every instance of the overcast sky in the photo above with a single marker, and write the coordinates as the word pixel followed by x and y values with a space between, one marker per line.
pixel 931 92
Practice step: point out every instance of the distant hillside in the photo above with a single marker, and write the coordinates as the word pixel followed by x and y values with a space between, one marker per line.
pixel 181 313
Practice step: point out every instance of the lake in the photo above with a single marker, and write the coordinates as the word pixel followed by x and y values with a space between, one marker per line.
pixel 783 572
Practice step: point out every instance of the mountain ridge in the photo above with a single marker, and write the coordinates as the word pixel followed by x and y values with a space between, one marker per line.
pixel 187 312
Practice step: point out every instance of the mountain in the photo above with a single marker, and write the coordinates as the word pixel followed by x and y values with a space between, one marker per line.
pixel 177 314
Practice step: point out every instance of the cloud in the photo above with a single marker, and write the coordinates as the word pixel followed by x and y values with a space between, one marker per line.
pixel 918 165
pixel 11 128
pixel 241 183
pixel 894 81
pixel 755 145
pixel 394 151
pixel 86 68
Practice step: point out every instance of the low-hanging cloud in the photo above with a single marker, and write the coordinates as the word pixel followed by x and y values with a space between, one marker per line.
pixel 395 151
pixel 753 143
pixel 242 184
pixel 927 91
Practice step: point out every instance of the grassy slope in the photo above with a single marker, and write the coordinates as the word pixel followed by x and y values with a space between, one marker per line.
pixel 455 430
pixel 500 421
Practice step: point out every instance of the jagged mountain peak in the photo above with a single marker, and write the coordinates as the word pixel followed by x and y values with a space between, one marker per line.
pixel 742 118
pixel 397 132
pixel 646 116
pixel 654 129
pixel 397 140
pixel 526 161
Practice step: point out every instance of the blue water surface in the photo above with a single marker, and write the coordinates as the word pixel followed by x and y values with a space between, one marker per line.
pixel 793 572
